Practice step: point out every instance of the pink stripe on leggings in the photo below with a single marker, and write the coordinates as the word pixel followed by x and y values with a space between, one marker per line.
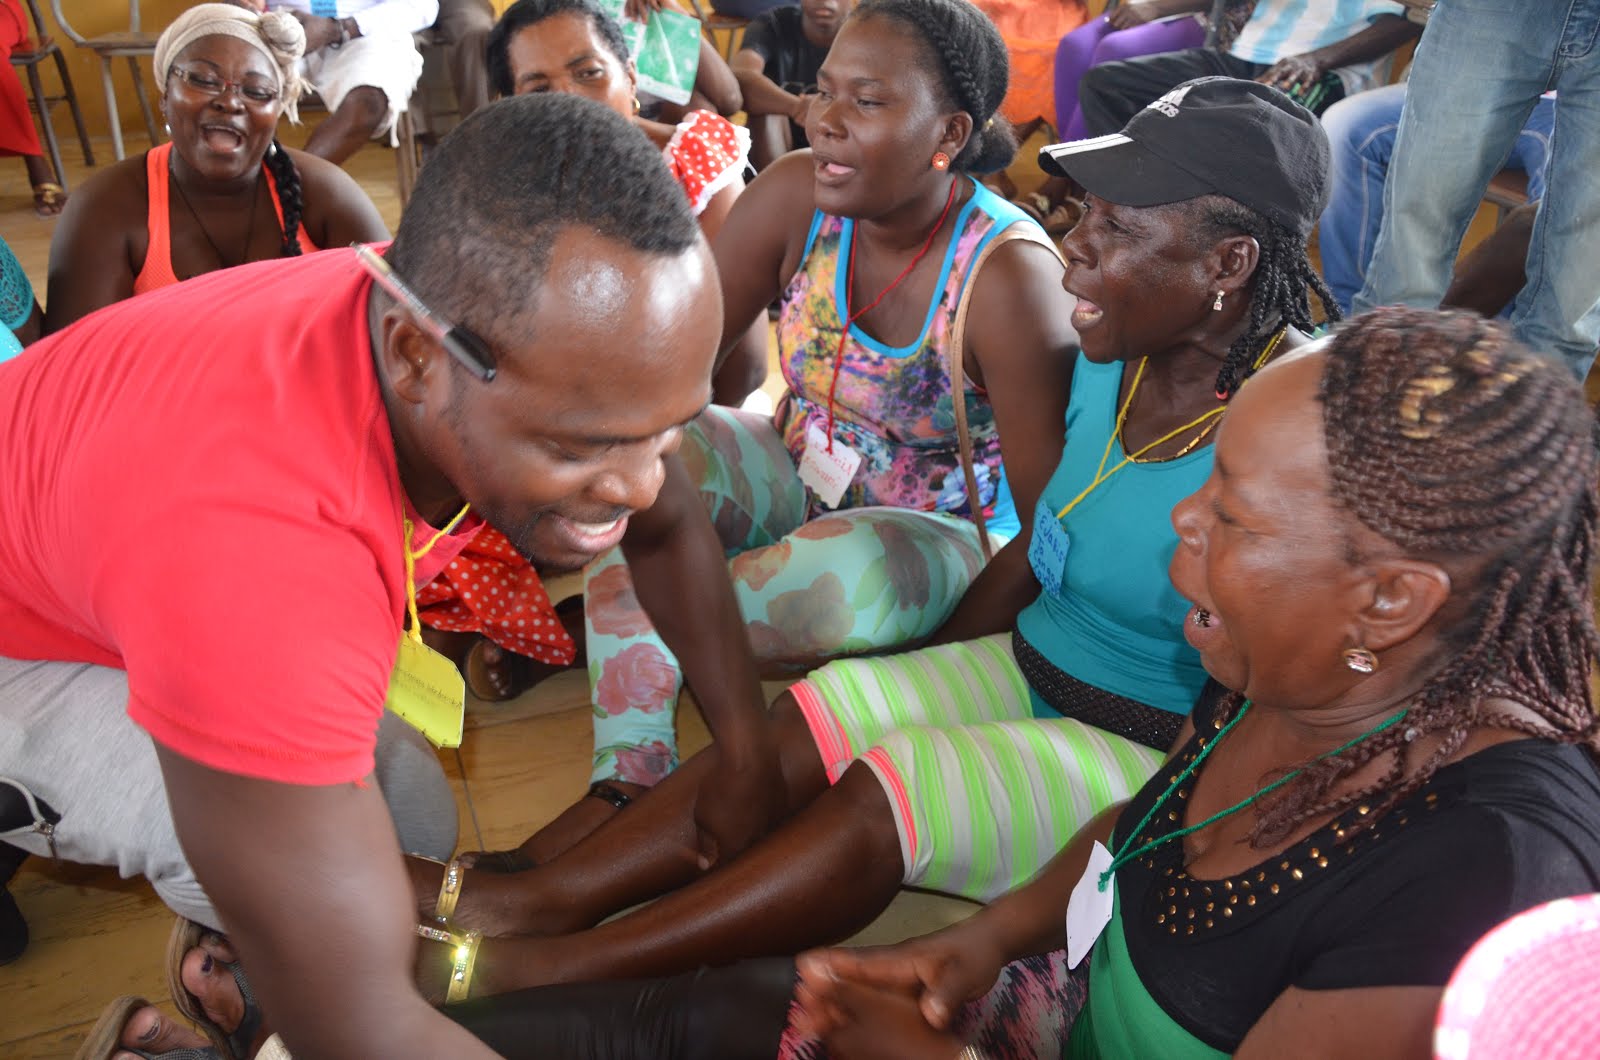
pixel 894 786
pixel 832 743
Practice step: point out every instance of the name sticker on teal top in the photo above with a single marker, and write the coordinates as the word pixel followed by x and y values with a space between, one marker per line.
pixel 325 8
pixel 1047 552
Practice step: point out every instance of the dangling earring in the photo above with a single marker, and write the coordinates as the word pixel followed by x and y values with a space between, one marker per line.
pixel 1360 660
pixel 166 127
pixel 636 106
pixel 1216 306
pixel 941 161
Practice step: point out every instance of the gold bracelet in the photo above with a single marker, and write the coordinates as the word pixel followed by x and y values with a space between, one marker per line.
pixel 970 1053
pixel 463 958
pixel 449 892
pixel 433 934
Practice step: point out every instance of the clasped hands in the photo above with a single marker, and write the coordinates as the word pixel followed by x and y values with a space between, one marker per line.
pixel 894 1002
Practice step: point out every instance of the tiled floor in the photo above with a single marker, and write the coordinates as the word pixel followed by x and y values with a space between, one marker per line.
pixel 96 936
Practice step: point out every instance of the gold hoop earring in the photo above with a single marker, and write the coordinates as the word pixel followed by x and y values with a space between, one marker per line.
pixel 1360 660
pixel 637 107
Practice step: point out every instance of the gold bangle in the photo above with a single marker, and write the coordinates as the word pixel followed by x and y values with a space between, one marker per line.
pixel 969 1053
pixel 449 892
pixel 433 934
pixel 463 958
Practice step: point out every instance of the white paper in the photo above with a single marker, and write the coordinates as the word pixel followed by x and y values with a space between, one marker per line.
pixel 828 474
pixel 1089 910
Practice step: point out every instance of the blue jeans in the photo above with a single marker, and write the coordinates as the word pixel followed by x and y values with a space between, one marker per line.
pixel 1361 130
pixel 1478 74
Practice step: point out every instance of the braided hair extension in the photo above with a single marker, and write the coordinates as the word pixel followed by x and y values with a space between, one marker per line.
pixel 286 178
pixel 973 66
pixel 1447 439
pixel 1278 288
pixel 524 13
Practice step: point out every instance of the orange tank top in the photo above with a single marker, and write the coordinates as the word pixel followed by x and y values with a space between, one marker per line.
pixel 157 271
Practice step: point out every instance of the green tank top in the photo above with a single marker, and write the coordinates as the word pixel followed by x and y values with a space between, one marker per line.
pixel 1121 1021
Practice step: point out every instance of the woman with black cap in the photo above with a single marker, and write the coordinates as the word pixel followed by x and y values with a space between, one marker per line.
pixel 963 766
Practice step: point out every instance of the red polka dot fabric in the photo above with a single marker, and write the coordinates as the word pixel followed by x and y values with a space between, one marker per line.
pixel 491 589
pixel 706 154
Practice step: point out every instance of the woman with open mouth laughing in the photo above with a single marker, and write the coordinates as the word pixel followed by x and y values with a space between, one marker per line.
pixel 224 191
pixel 1059 684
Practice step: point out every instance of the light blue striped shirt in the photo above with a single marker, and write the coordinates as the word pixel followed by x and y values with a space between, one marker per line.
pixel 1280 28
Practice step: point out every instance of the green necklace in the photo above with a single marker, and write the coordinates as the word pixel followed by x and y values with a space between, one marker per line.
pixel 1126 855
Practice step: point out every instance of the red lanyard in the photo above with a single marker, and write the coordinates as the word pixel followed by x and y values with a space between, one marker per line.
pixel 849 288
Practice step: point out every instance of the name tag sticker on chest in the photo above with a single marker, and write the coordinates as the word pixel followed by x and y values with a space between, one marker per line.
pixel 427 691
pixel 828 474
pixel 1089 909
pixel 1047 550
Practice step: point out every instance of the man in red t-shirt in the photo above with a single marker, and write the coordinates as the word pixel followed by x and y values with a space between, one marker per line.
pixel 202 572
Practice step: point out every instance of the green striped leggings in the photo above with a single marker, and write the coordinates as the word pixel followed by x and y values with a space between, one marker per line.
pixel 983 793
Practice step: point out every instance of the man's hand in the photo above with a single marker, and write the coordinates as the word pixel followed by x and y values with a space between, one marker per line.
pixel 640 10
pixel 1127 16
pixel 938 972
pixel 802 108
pixel 1295 72
pixel 740 799
pixel 320 32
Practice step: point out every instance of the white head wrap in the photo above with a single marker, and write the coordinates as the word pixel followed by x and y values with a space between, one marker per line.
pixel 276 34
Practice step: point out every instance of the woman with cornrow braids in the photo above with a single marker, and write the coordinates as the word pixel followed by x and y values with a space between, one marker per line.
pixel 847 516
pixel 1390 567
pixel 224 192
pixel 1055 689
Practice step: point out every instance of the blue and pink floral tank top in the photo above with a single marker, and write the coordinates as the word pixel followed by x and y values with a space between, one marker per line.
pixel 893 405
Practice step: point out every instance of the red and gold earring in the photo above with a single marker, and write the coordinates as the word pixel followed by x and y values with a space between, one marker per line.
pixel 941 161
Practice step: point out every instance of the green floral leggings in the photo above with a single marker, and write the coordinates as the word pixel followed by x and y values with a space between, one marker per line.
pixel 844 583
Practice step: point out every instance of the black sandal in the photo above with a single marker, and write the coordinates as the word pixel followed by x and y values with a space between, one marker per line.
pixel 21 813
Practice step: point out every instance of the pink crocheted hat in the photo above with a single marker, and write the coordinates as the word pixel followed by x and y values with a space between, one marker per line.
pixel 1529 988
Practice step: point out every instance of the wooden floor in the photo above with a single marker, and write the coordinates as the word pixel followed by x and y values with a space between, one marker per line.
pixel 96 936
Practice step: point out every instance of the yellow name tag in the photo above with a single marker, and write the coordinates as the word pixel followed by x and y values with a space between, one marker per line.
pixel 428 692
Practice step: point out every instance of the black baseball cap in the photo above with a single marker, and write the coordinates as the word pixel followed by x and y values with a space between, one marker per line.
pixel 1209 136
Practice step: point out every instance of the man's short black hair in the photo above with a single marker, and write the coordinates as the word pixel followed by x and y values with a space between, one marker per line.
pixel 475 238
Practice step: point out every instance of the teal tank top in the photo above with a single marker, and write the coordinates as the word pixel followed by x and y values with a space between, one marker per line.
pixel 1116 622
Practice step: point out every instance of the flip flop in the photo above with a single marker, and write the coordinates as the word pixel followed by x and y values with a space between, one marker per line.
pixel 48 199
pixel 104 1039
pixel 186 935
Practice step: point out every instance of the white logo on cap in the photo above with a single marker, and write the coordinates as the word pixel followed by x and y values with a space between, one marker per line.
pixel 1168 104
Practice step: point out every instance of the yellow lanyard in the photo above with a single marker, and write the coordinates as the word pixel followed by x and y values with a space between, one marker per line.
pixel 415 632
pixel 1100 472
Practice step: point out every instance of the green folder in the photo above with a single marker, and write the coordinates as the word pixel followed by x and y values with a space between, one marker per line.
pixel 665 50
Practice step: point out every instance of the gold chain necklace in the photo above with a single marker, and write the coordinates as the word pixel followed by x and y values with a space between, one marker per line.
pixel 1212 421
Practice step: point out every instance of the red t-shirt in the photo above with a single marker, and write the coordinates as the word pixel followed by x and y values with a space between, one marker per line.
pixel 198 486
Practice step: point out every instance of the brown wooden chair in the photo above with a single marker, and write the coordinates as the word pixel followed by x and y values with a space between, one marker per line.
pixel 131 45
pixel 44 48
pixel 432 111
pixel 1507 190
pixel 724 31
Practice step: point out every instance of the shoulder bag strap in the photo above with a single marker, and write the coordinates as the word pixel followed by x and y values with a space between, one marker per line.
pixel 955 352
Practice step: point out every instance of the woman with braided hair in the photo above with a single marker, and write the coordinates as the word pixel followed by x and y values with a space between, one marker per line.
pixel 224 192
pixel 871 241
pixel 1063 677
pixel 1390 567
